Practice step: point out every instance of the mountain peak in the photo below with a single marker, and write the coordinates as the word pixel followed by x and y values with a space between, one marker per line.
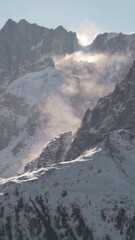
pixel 23 21
pixel 60 29
pixel 9 23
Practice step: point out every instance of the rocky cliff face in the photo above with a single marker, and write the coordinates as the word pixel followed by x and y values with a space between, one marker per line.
pixel 24 43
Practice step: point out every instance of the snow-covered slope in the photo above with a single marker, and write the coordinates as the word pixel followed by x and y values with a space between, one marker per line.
pixel 90 198
pixel 33 111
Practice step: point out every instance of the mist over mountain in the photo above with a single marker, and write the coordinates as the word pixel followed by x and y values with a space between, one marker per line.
pixel 67 135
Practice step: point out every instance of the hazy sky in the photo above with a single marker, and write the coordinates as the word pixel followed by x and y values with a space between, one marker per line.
pixel 81 15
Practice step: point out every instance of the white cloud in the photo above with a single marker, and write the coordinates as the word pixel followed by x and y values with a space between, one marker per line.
pixel 87 32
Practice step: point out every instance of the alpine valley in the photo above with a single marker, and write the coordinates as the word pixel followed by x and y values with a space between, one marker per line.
pixel 63 178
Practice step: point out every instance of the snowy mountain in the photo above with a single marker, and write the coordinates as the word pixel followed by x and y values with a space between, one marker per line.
pixel 81 186
pixel 47 88
pixel 90 198
pixel 41 100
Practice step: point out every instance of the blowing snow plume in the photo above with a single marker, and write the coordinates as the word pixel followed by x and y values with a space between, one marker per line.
pixel 86 32
pixel 61 116
pixel 91 76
